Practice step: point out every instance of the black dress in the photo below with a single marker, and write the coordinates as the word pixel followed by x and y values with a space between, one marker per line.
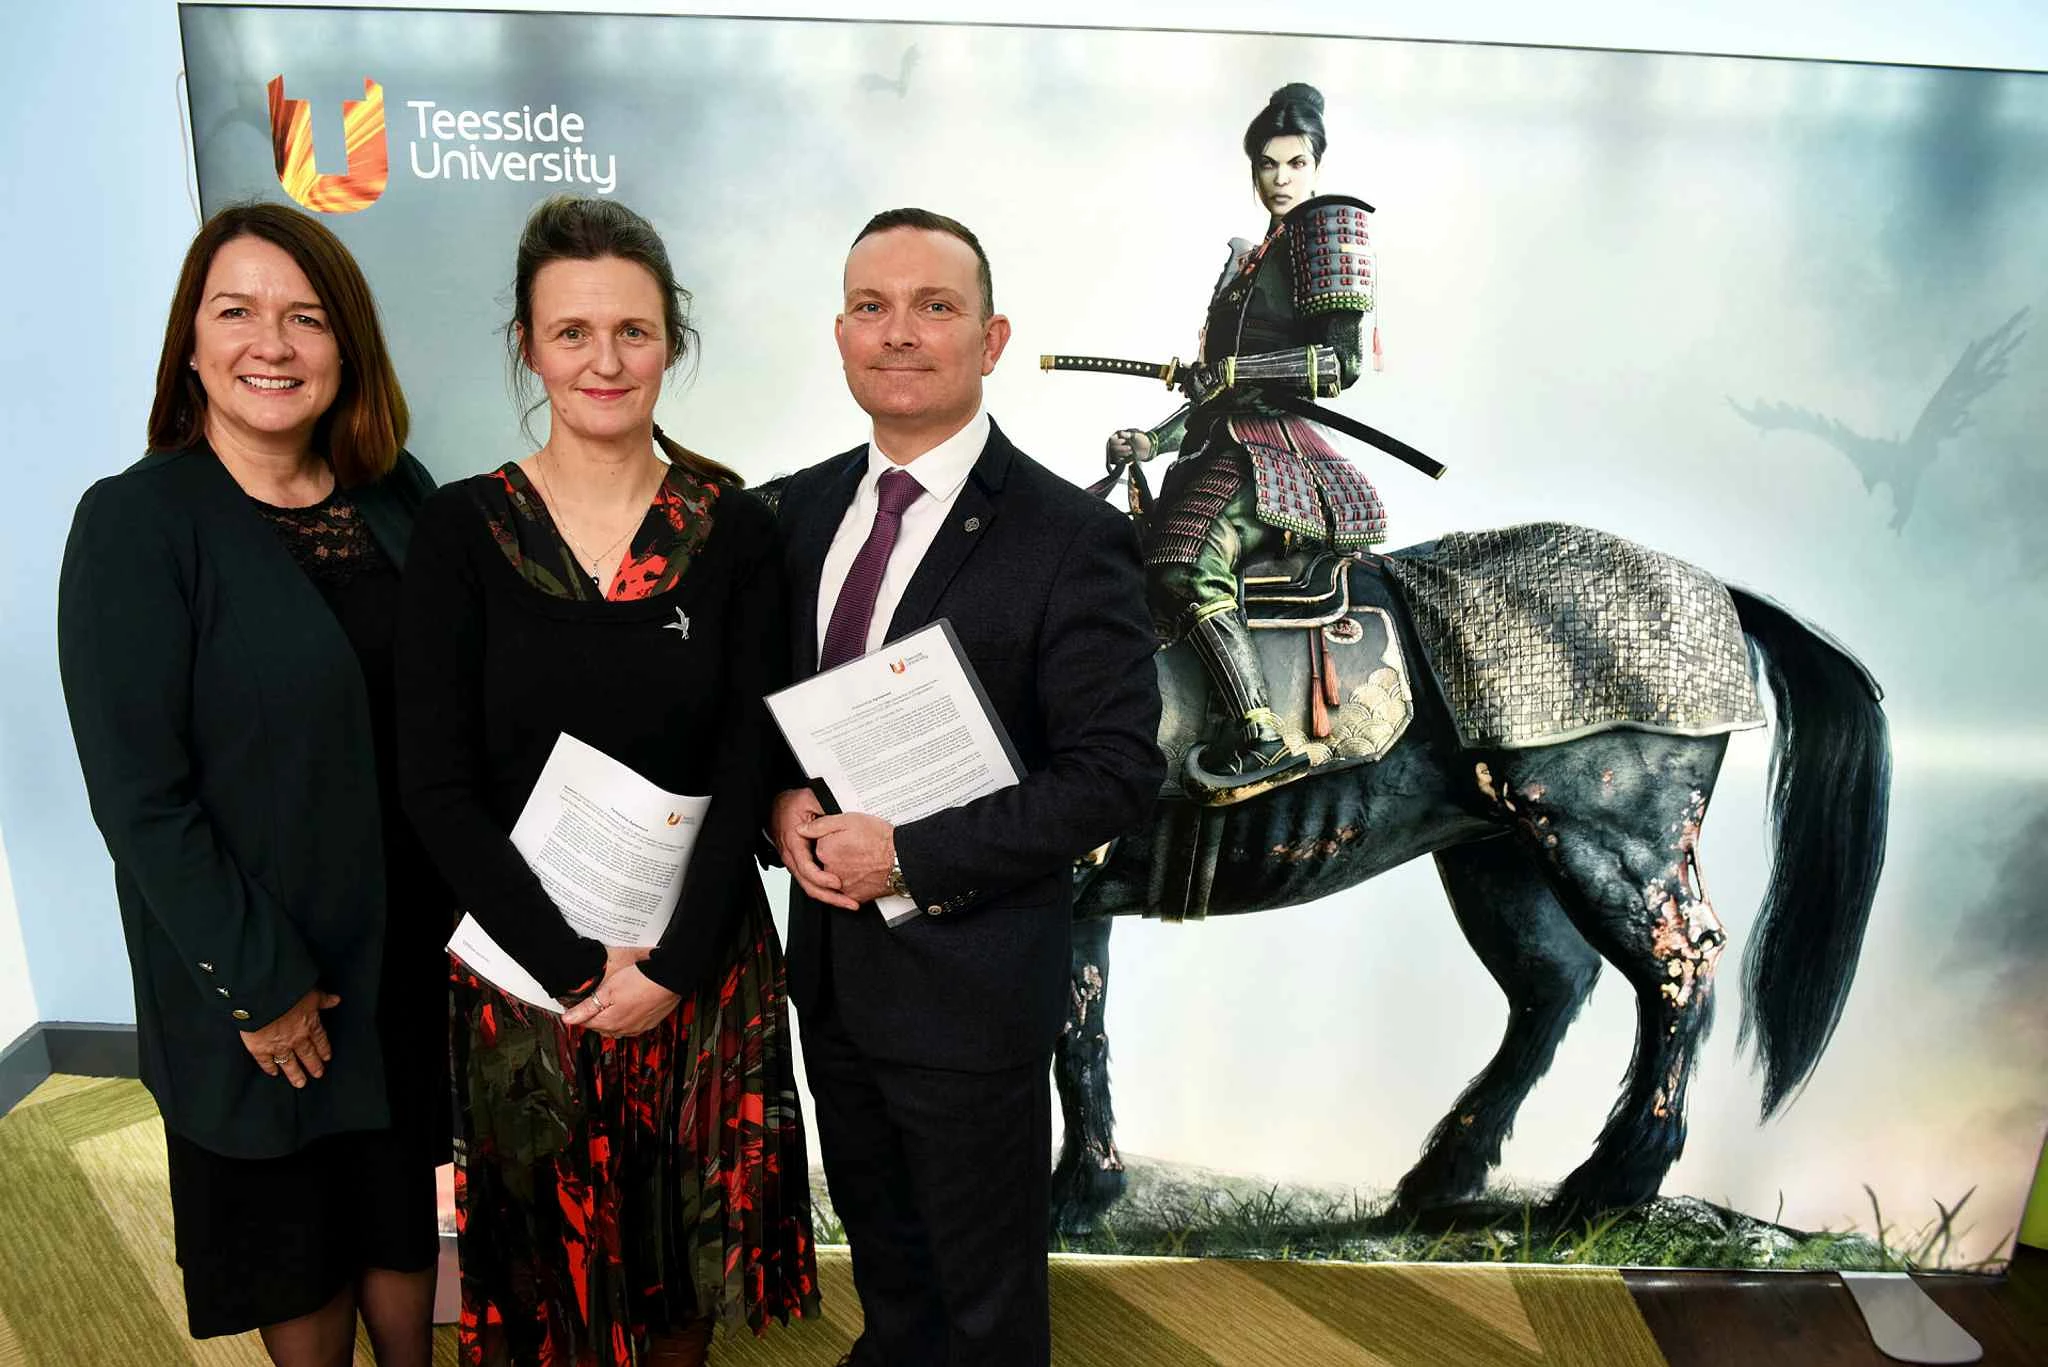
pixel 270 1239
pixel 608 1191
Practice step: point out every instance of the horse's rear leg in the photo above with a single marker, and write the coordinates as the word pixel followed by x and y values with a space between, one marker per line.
pixel 1616 821
pixel 1546 969
pixel 1089 1177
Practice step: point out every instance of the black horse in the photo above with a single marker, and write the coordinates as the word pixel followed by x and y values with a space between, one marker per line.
pixel 1555 858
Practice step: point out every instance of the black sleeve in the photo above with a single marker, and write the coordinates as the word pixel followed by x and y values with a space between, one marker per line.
pixel 442 774
pixel 750 762
pixel 1100 710
pixel 784 772
pixel 126 637
pixel 1342 332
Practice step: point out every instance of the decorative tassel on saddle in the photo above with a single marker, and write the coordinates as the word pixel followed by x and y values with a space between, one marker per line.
pixel 1323 690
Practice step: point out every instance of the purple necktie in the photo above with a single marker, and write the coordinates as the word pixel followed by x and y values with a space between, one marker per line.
pixel 846 636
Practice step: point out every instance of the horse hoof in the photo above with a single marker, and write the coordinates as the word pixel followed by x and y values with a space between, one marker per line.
pixel 1071 1224
pixel 1431 1186
pixel 1585 1203
pixel 1082 1193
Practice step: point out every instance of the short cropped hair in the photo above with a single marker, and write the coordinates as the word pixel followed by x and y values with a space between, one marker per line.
pixel 936 223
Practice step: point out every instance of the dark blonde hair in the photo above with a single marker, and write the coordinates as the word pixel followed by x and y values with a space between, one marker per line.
pixel 361 433
pixel 568 228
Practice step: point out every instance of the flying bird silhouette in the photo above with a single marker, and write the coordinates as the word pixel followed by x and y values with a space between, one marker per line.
pixel 1895 463
pixel 901 85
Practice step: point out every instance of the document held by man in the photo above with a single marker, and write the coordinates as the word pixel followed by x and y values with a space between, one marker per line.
pixel 610 848
pixel 899 733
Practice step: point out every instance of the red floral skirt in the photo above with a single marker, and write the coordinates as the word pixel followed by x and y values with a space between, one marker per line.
pixel 609 1191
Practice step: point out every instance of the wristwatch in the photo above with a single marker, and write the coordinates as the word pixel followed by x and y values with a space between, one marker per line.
pixel 897 887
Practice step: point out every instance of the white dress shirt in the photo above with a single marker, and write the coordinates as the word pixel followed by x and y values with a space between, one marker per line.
pixel 940 472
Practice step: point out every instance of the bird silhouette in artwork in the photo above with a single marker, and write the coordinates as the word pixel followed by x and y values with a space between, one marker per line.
pixel 1899 463
pixel 901 84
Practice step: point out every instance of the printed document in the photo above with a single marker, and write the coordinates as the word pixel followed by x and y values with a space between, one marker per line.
pixel 610 848
pixel 900 733
pixel 481 955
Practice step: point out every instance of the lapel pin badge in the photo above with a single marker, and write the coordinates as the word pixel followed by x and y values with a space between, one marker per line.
pixel 681 625
pixel 973 524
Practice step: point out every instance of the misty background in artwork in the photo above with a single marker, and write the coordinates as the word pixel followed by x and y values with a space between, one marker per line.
pixel 1780 318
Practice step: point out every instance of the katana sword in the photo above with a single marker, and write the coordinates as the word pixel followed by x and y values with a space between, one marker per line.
pixel 1300 407
pixel 1110 365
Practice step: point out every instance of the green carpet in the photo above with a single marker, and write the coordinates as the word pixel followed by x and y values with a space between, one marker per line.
pixel 86 1276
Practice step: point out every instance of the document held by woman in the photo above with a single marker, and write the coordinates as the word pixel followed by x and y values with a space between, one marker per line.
pixel 610 848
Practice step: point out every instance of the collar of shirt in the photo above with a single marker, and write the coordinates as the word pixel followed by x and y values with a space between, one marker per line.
pixel 940 471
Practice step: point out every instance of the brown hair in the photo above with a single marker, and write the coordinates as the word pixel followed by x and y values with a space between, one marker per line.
pixel 930 222
pixel 568 228
pixel 362 431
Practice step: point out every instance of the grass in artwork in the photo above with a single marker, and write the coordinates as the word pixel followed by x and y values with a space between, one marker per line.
pixel 1176 1210
pixel 1173 1210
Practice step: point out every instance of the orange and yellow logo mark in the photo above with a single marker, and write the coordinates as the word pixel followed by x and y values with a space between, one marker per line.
pixel 369 160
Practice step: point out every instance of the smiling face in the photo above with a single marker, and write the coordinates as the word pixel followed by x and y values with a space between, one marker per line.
pixel 597 343
pixel 1285 173
pixel 263 349
pixel 912 336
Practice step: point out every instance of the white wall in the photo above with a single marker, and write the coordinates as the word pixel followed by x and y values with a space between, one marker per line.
pixel 100 212
pixel 17 993
pixel 97 219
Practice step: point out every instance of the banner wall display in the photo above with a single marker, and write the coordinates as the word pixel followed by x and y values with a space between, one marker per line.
pixel 1779 319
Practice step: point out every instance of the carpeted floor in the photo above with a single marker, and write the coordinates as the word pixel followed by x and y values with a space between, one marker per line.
pixel 86 1276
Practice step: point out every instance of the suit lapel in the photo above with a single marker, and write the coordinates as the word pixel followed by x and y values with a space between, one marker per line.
pixel 810 538
pixel 268 582
pixel 973 513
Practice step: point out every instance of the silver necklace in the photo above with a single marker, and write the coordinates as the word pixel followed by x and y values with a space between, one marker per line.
pixel 556 510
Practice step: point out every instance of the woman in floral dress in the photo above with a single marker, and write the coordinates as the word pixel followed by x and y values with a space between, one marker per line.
pixel 630 1173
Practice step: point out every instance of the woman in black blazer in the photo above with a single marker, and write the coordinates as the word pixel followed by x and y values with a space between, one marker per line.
pixel 224 626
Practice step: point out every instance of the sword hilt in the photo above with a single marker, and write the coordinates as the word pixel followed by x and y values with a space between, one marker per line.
pixel 1113 365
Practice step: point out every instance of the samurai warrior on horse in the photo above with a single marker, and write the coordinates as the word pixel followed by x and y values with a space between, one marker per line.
pixel 1541 709
pixel 1291 319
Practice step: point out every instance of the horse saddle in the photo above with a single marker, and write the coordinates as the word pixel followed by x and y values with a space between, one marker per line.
pixel 1335 672
pixel 1336 676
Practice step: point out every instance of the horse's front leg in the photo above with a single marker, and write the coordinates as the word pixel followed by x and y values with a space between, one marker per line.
pixel 1089 1177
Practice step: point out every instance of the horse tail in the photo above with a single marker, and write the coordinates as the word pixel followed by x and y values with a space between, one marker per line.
pixel 1830 797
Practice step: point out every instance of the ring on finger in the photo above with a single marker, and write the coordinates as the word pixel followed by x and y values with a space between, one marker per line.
pixel 281 1059
pixel 601 1003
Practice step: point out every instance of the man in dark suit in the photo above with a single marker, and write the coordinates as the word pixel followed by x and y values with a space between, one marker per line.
pixel 927 1044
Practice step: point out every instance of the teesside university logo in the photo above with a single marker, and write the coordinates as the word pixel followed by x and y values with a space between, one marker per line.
pixel 518 145
pixel 369 157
